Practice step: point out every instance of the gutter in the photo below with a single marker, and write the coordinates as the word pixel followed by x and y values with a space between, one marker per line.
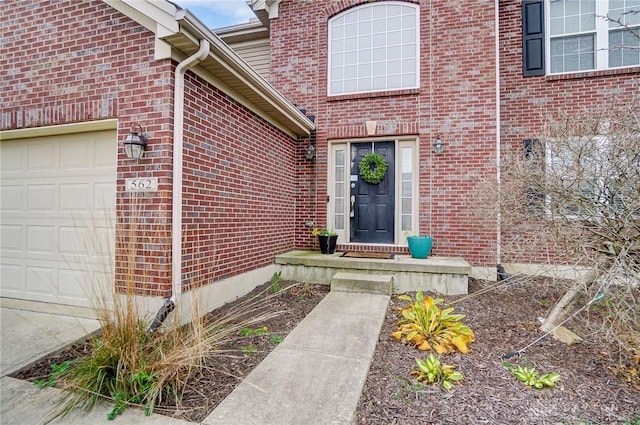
pixel 178 146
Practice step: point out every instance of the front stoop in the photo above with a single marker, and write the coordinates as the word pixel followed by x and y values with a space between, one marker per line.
pixel 443 275
pixel 362 283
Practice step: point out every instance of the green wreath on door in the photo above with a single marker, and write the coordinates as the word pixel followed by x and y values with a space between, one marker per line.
pixel 373 167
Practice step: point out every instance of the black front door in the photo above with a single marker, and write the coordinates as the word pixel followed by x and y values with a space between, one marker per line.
pixel 372 205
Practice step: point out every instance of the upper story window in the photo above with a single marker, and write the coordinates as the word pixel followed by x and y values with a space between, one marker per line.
pixel 579 35
pixel 581 38
pixel 374 47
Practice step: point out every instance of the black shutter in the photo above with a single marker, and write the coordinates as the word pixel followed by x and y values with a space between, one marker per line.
pixel 532 37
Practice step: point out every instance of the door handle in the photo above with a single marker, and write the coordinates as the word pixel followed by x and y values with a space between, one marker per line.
pixel 353 201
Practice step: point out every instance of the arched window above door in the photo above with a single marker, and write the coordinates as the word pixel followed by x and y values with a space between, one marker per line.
pixel 374 47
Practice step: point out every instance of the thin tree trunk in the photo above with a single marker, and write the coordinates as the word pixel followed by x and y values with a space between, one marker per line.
pixel 561 310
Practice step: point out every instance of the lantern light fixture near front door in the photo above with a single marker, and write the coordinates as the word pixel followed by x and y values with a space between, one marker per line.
pixel 135 142
pixel 309 151
pixel 438 145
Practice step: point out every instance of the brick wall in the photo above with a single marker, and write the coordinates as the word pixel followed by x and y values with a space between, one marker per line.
pixel 239 200
pixel 527 103
pixel 66 62
pixel 456 99
pixel 72 61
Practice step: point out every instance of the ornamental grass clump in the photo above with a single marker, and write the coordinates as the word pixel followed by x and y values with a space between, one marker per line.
pixel 130 364
pixel 428 327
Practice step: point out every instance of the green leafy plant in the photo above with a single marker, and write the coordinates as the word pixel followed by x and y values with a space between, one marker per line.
pixel 323 232
pixel 530 377
pixel 249 349
pixel 276 339
pixel 252 332
pixel 426 326
pixel 275 282
pixel 57 370
pixel 432 371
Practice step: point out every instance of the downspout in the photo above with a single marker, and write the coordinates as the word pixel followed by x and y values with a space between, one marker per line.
pixel 501 275
pixel 178 145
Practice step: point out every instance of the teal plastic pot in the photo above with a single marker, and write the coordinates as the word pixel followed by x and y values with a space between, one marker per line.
pixel 420 246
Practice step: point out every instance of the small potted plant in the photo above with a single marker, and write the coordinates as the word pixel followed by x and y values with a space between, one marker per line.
pixel 419 246
pixel 327 240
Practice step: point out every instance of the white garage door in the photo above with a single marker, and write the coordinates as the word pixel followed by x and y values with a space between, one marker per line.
pixel 58 216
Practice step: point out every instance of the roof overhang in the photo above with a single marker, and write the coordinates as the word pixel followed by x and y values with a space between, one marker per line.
pixel 178 34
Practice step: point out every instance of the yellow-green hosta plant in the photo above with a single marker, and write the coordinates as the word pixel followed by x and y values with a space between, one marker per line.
pixel 428 327
pixel 432 370
pixel 530 377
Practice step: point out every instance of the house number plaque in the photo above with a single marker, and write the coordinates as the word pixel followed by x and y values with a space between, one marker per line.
pixel 147 184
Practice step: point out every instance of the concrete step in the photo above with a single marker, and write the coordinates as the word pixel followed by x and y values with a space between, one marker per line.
pixel 362 283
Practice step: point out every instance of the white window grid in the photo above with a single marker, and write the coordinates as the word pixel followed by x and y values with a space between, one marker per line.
pixel 580 38
pixel 374 47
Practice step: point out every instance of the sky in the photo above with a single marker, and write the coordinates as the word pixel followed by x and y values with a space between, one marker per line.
pixel 218 13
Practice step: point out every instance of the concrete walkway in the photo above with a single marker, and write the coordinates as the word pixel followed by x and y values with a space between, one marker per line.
pixel 315 376
pixel 28 336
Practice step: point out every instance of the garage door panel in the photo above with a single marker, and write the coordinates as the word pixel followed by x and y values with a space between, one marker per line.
pixel 41 239
pixel 12 277
pixel 12 160
pixel 41 156
pixel 12 237
pixel 73 240
pixel 41 282
pixel 104 198
pixel 58 215
pixel 75 197
pixel 71 283
pixel 104 154
pixel 12 197
pixel 41 197
pixel 76 155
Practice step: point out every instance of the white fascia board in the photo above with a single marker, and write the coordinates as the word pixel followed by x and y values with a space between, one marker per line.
pixel 269 6
pixel 155 15
pixel 151 14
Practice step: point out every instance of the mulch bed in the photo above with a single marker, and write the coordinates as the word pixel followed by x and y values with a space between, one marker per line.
pixel 209 388
pixel 504 321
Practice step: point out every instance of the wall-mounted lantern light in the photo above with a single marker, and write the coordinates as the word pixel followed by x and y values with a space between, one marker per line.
pixel 135 142
pixel 309 151
pixel 438 145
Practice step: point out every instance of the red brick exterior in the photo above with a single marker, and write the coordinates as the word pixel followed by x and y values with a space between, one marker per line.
pixel 238 193
pixel 456 99
pixel 527 102
pixel 248 190
pixel 72 61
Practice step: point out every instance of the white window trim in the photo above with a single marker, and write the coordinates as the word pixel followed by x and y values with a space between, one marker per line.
pixel 602 142
pixel 344 234
pixel 417 53
pixel 601 43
